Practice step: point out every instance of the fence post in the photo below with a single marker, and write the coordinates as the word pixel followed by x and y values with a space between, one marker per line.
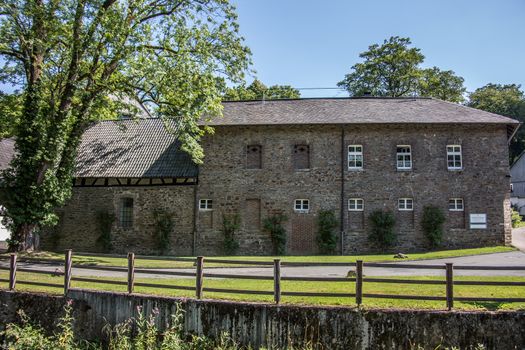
pixel 131 272
pixel 359 282
pixel 12 272
pixel 450 285
pixel 198 281
pixel 277 280
pixel 67 271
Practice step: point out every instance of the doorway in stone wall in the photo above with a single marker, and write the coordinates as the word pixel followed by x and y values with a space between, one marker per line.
pixel 302 239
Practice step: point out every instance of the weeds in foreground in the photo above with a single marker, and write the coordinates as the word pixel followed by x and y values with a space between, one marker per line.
pixel 140 333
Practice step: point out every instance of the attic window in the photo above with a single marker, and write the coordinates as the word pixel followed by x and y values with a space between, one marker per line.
pixel 301 157
pixel 254 157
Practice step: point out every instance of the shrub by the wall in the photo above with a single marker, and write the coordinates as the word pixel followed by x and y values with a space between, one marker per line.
pixel 275 226
pixel 163 228
pixel 516 218
pixel 105 221
pixel 326 237
pixel 230 224
pixel 382 231
pixel 432 225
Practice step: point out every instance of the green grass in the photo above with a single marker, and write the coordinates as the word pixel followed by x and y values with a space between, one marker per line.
pixel 328 287
pixel 164 262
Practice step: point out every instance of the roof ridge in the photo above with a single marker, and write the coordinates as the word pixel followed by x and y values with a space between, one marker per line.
pixel 336 98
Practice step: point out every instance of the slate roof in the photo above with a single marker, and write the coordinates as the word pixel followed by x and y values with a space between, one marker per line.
pixel 145 149
pixel 7 152
pixel 365 110
pixel 131 148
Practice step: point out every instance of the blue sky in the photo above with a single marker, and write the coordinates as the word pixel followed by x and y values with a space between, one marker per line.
pixel 308 43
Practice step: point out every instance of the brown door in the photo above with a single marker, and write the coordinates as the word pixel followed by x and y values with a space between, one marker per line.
pixel 302 239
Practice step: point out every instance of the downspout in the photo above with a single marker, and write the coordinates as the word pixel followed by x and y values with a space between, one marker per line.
pixel 194 246
pixel 342 188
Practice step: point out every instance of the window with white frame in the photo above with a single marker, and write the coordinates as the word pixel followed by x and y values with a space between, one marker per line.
pixel 206 204
pixel 356 204
pixel 302 205
pixel 455 204
pixel 405 204
pixel 454 158
pixel 355 157
pixel 404 157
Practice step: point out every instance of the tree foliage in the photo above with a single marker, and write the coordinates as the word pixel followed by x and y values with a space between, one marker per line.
pixel 444 85
pixel 274 225
pixel 230 225
pixel 393 70
pixel 10 109
pixel 78 60
pixel 507 100
pixel 258 91
pixel 163 229
pixel 432 225
pixel 382 230
pixel 326 237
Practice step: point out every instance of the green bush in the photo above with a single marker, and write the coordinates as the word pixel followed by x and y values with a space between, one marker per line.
pixel 105 221
pixel 275 226
pixel 432 224
pixel 326 237
pixel 230 224
pixel 382 228
pixel 163 229
pixel 516 218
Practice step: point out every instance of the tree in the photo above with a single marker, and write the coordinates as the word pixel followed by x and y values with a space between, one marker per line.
pixel 10 109
pixel 258 91
pixel 78 60
pixel 444 85
pixel 507 100
pixel 393 70
pixel 390 70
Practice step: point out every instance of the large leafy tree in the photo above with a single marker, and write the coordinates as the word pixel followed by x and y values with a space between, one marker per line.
pixel 444 85
pixel 78 60
pixel 393 70
pixel 507 100
pixel 390 69
pixel 258 91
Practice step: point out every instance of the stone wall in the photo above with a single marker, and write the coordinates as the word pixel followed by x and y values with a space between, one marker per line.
pixel 279 326
pixel 483 183
pixel 78 225
pixel 255 194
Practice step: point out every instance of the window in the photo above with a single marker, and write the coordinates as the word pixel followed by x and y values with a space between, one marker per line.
pixel 302 205
pixel 355 157
pixel 454 161
pixel 206 204
pixel 254 157
pixel 404 157
pixel 301 157
pixel 356 204
pixel 455 204
pixel 405 204
pixel 126 213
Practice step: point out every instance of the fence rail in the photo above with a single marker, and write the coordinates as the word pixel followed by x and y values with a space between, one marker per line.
pixel 200 276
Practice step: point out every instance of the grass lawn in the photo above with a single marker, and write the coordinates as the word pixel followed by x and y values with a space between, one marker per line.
pixel 332 287
pixel 164 262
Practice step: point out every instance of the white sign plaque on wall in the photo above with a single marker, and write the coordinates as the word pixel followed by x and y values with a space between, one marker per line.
pixel 478 221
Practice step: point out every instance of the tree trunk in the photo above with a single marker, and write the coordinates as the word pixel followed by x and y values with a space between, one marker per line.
pixel 19 238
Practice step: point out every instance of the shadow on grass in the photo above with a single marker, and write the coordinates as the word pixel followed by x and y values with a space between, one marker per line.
pixel 487 305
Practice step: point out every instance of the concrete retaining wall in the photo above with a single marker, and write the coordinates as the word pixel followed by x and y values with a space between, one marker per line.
pixel 271 325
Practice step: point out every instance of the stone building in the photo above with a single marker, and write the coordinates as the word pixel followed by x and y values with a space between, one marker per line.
pixel 350 156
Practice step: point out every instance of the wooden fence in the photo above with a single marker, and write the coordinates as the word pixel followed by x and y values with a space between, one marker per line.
pixel 199 275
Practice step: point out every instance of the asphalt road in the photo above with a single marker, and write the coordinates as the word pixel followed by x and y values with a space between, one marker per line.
pixel 515 258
